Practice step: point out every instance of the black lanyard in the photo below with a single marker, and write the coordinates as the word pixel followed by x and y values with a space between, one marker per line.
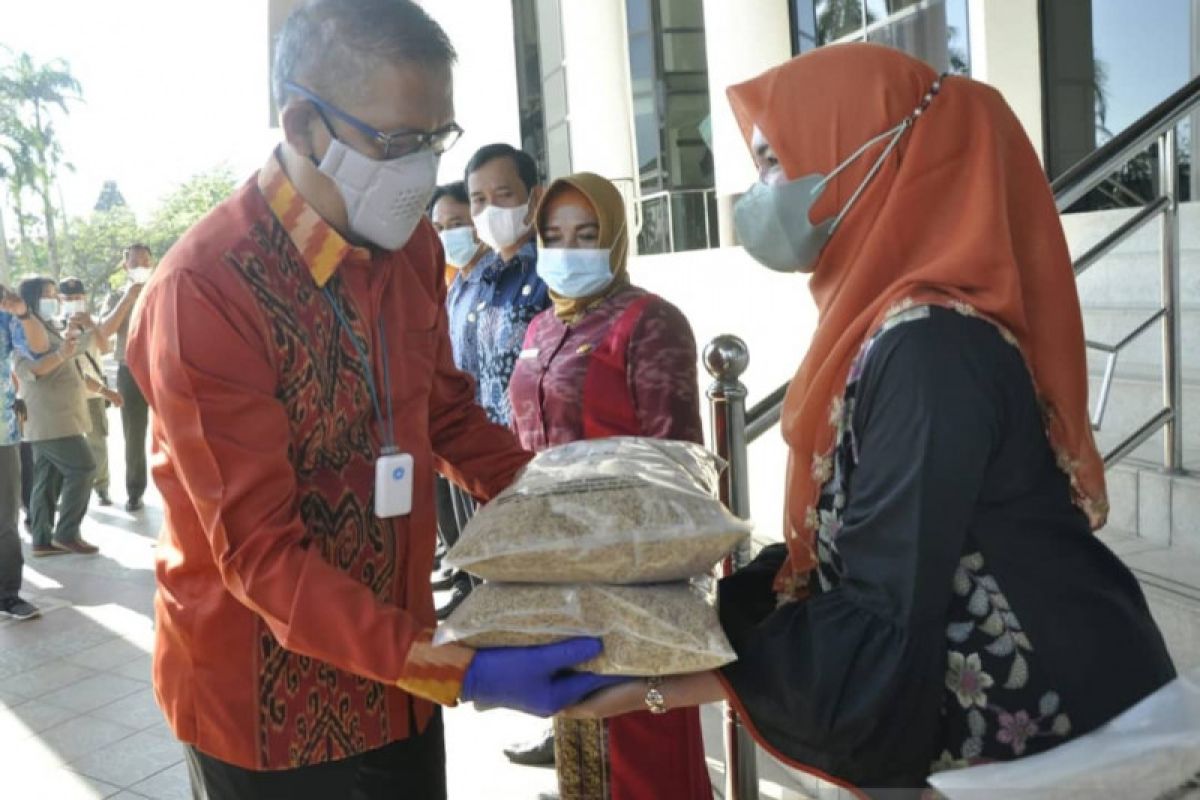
pixel 387 426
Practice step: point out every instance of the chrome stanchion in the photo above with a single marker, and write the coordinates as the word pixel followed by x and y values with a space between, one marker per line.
pixel 726 359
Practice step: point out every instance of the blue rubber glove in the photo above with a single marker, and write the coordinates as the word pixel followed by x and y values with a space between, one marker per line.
pixel 535 680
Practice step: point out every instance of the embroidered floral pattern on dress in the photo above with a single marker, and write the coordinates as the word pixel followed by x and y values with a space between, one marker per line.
pixel 986 642
pixel 995 708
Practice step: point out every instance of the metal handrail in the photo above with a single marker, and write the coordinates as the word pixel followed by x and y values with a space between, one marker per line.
pixel 1115 153
pixel 669 195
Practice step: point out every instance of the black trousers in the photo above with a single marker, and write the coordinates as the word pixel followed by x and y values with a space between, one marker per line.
pixel 412 769
pixel 26 474
pixel 447 523
pixel 135 417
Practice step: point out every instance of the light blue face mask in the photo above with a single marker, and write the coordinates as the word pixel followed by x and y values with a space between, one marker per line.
pixel 48 308
pixel 460 245
pixel 575 273
pixel 773 221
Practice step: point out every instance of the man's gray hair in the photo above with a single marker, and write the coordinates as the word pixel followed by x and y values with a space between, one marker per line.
pixel 331 46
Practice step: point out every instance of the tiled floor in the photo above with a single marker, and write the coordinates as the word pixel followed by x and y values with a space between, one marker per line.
pixel 78 719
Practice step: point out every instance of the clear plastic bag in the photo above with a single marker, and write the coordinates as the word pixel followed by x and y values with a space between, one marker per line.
pixel 1151 751
pixel 664 629
pixel 619 510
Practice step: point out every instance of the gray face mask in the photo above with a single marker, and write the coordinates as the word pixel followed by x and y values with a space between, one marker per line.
pixel 773 221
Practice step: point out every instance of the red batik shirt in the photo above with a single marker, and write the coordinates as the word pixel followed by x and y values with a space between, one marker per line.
pixel 288 614
pixel 547 386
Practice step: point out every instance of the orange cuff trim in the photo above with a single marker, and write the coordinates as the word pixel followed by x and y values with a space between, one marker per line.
pixel 435 673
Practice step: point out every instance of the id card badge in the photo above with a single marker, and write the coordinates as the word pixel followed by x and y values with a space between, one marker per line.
pixel 393 485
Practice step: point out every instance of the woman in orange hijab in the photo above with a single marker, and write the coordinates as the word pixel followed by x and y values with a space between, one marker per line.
pixel 940 598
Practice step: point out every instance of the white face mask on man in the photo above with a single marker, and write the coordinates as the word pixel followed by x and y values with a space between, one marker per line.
pixel 385 200
pixel 500 228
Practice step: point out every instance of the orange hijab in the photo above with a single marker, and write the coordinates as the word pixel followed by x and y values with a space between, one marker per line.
pixel 960 215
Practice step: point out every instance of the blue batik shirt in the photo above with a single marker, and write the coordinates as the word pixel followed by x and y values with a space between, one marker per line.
pixel 12 335
pixel 512 295
pixel 462 303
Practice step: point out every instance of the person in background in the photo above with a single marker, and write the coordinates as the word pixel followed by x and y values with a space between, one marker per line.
pixel 17 323
pixel 502 184
pixel 504 190
pixel 293 346
pixel 940 598
pixel 450 213
pixel 608 359
pixel 138 264
pixel 74 299
pixel 55 389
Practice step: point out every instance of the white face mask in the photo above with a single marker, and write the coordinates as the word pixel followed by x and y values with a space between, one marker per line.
pixel 385 200
pixel 460 245
pixel 139 274
pixel 48 308
pixel 72 307
pixel 500 228
pixel 575 273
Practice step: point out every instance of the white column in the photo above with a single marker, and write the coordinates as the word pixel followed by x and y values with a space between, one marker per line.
pixel 485 79
pixel 599 108
pixel 1006 49
pixel 743 38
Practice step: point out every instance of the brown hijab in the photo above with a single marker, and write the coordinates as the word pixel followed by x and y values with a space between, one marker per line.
pixel 960 215
pixel 605 199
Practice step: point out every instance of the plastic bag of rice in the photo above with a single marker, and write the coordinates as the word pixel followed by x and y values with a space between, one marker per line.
pixel 618 510
pixel 663 629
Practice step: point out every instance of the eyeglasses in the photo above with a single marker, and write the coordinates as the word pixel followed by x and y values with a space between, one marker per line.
pixel 396 144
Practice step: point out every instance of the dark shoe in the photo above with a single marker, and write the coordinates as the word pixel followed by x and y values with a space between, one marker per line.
pixel 538 753
pixel 79 547
pixel 135 504
pixel 105 500
pixel 18 609
pixel 443 579
pixel 462 588
pixel 40 550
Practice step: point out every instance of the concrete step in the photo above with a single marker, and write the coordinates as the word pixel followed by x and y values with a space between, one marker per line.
pixel 1130 274
pixel 1132 402
pixel 1154 528
pixel 1142 357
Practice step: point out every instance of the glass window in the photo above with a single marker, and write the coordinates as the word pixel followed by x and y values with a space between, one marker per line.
pixel 668 67
pixel 558 150
pixel 683 51
pixel 550 29
pixel 933 30
pixel 1107 63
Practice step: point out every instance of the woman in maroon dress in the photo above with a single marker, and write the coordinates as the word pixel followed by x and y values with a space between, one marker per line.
pixel 608 359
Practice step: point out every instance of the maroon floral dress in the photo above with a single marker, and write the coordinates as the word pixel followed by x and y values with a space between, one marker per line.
pixel 547 386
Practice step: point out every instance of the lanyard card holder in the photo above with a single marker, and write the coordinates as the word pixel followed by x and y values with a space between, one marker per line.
pixel 393 485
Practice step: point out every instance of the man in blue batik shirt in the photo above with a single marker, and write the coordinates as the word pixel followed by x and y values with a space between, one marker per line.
pixel 18 328
pixel 502 183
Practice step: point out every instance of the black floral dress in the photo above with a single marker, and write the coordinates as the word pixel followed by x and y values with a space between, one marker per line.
pixel 963 611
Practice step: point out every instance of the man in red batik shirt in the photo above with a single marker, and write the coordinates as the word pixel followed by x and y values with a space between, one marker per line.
pixel 293 347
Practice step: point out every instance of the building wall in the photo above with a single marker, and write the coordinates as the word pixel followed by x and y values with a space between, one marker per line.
pixel 485 80
pixel 744 38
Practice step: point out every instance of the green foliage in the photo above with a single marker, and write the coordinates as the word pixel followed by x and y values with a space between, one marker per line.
pixel 32 96
pixel 185 206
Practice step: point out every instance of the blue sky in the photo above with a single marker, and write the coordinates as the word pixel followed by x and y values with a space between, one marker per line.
pixel 1145 44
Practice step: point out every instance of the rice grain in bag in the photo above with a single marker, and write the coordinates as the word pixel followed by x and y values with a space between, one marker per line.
pixel 618 510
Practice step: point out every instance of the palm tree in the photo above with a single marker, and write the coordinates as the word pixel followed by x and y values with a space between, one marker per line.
pixel 34 92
